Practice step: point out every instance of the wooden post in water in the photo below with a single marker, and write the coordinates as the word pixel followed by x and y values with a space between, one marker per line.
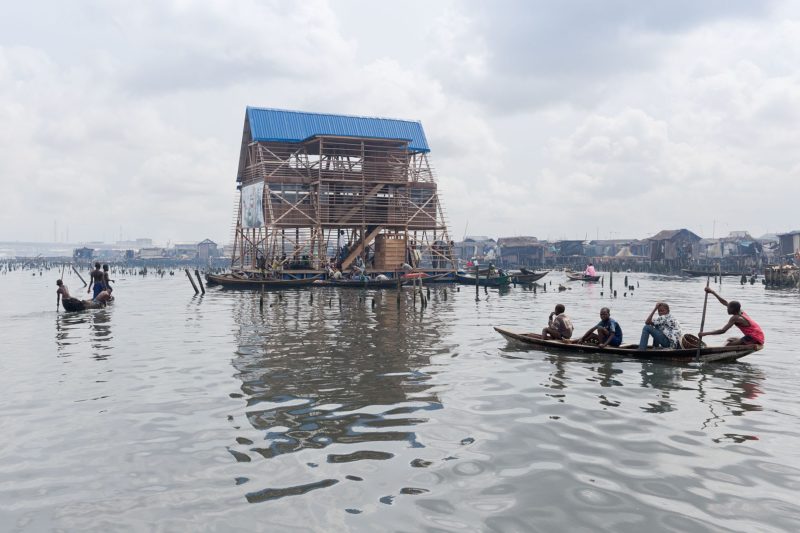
pixel 199 281
pixel 611 283
pixel 477 277
pixel 397 278
pixel 188 275
pixel 79 275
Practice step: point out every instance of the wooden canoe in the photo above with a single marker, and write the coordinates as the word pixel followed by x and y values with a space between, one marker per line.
pixel 708 354
pixel 365 284
pixel 232 281
pixel 706 273
pixel 497 281
pixel 526 276
pixel 580 276
pixel 74 304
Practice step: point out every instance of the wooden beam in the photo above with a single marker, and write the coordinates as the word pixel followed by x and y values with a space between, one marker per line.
pixel 356 251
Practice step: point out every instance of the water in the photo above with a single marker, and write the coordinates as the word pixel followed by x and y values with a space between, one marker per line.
pixel 179 413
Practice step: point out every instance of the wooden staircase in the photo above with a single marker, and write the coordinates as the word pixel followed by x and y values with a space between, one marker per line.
pixel 358 248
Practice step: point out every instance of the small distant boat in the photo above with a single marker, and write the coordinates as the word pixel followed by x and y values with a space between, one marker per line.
pixel 528 276
pixel 707 273
pixel 580 276
pixel 232 280
pixel 495 281
pixel 708 354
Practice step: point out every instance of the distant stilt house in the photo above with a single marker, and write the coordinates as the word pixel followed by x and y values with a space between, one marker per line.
pixel 790 245
pixel 83 254
pixel 570 248
pixel 673 248
pixel 479 248
pixel 207 250
pixel 521 251
pixel 739 250
pixel 319 187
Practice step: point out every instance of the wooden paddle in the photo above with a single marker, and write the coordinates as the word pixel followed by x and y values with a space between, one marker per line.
pixel 703 320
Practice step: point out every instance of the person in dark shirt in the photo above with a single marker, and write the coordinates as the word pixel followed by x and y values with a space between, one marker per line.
pixel 608 331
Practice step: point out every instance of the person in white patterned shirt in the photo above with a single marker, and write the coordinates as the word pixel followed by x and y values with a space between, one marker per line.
pixel 665 329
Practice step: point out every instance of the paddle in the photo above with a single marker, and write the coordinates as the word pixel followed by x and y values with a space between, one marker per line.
pixel 703 320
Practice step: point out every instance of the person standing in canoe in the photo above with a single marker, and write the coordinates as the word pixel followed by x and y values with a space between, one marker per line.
pixel 590 271
pixel 559 326
pixel 753 334
pixel 107 280
pixel 608 331
pixel 665 330
pixel 96 282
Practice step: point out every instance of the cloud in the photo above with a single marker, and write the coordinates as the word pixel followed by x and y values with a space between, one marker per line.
pixel 544 119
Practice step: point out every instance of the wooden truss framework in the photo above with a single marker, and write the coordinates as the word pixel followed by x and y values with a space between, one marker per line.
pixel 328 190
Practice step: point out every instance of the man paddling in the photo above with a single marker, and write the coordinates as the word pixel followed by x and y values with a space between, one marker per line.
pixel 753 334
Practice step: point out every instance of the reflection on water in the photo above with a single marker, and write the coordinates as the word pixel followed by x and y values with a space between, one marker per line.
pixel 334 370
pixel 92 325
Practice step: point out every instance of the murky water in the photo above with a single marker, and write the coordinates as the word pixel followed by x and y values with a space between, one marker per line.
pixel 344 410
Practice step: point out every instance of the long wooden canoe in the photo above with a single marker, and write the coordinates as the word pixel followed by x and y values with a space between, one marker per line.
pixel 74 304
pixel 496 281
pixel 707 354
pixel 575 276
pixel 528 276
pixel 233 281
pixel 365 284
pixel 706 273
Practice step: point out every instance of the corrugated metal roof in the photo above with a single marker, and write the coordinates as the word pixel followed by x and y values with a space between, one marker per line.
pixel 296 126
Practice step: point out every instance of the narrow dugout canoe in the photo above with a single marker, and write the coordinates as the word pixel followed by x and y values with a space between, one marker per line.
pixel 707 354
pixel 528 276
pixel 230 281
pixel 74 304
pixel 706 273
pixel 497 281
pixel 365 284
pixel 572 276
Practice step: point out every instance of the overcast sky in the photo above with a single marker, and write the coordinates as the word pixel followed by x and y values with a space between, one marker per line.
pixel 567 119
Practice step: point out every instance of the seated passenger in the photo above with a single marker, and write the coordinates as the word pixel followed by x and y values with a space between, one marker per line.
pixel 665 330
pixel 559 325
pixel 608 330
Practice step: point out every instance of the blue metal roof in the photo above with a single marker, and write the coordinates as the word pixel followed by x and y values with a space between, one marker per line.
pixel 278 125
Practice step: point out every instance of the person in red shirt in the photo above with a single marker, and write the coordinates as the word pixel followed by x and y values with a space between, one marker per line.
pixel 753 334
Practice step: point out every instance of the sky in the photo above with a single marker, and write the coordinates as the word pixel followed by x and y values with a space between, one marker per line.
pixel 558 120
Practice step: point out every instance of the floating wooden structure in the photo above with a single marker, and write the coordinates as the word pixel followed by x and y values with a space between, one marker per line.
pixel 782 276
pixel 358 190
